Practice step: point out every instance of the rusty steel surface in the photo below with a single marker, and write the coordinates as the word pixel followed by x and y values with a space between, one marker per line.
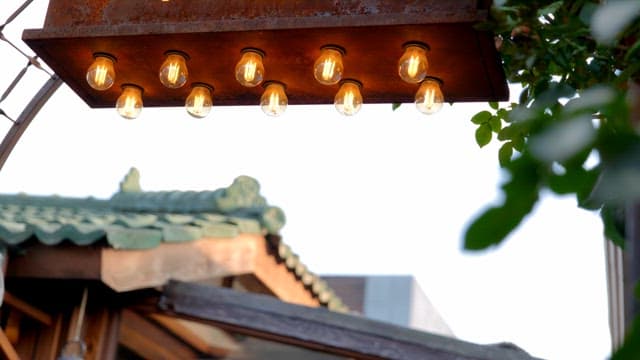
pixel 462 57
pixel 270 14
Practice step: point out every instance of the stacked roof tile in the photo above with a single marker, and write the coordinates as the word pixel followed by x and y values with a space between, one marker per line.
pixel 134 219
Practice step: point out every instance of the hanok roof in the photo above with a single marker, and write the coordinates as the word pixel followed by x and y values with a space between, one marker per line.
pixel 152 223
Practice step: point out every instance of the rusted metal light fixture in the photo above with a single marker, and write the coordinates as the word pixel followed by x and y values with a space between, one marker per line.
pixel 213 36
pixel 348 100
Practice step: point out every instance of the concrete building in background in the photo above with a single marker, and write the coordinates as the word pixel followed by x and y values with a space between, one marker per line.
pixel 396 299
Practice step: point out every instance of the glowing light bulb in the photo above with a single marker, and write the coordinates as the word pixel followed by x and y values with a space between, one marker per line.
pixel 129 104
pixel 199 101
pixel 101 74
pixel 413 65
pixel 273 100
pixel 328 67
pixel 250 70
pixel 348 100
pixel 429 98
pixel 173 72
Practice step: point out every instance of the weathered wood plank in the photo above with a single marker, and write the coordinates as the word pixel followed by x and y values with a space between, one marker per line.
pixel 125 270
pixel 319 329
pixel 63 261
pixel 49 340
pixel 203 338
pixel 149 341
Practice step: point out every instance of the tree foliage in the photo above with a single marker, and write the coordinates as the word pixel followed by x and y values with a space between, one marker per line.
pixel 574 129
pixel 570 131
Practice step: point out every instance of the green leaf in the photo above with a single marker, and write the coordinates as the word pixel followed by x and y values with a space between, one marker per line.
pixel 518 142
pixel 494 105
pixel 630 349
pixel 521 194
pixel 394 106
pixel 495 123
pixel 562 140
pixel 586 13
pixel 612 225
pixel 505 153
pixel 483 134
pixel 490 228
pixel 603 26
pixel 502 114
pixel 575 180
pixel 632 50
pixel 550 9
pixel 481 117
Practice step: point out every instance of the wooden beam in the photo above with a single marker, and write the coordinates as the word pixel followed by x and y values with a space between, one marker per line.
pixel 150 341
pixel 125 270
pixel 48 346
pixel 7 349
pixel 203 338
pixel 63 261
pixel 27 309
pixel 320 329
pixel 279 280
pixel 12 328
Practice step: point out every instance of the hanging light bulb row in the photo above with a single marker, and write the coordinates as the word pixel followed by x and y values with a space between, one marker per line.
pixel 249 72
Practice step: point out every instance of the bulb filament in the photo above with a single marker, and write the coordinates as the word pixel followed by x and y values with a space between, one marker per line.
pixel 250 70
pixel 274 102
pixel 173 73
pixel 129 106
pixel 429 98
pixel 100 76
pixel 198 103
pixel 414 63
pixel 328 68
pixel 348 102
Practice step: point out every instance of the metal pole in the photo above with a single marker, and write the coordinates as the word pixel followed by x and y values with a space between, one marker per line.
pixel 30 111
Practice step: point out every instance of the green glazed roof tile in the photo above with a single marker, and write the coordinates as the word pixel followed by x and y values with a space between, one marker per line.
pixel 220 230
pixel 248 226
pixel 132 220
pixel 177 219
pixel 49 233
pixel 179 233
pixel 14 233
pixel 125 238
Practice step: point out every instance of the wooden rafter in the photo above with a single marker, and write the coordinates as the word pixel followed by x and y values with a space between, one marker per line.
pixel 205 339
pixel 8 350
pixel 27 309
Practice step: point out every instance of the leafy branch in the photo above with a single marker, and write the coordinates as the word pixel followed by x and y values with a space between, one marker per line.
pixel 570 131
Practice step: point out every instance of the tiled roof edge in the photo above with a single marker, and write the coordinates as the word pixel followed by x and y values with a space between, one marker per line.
pixel 54 201
pixel 312 282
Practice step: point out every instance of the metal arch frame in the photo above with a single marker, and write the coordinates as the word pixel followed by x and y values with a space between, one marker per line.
pixel 28 114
